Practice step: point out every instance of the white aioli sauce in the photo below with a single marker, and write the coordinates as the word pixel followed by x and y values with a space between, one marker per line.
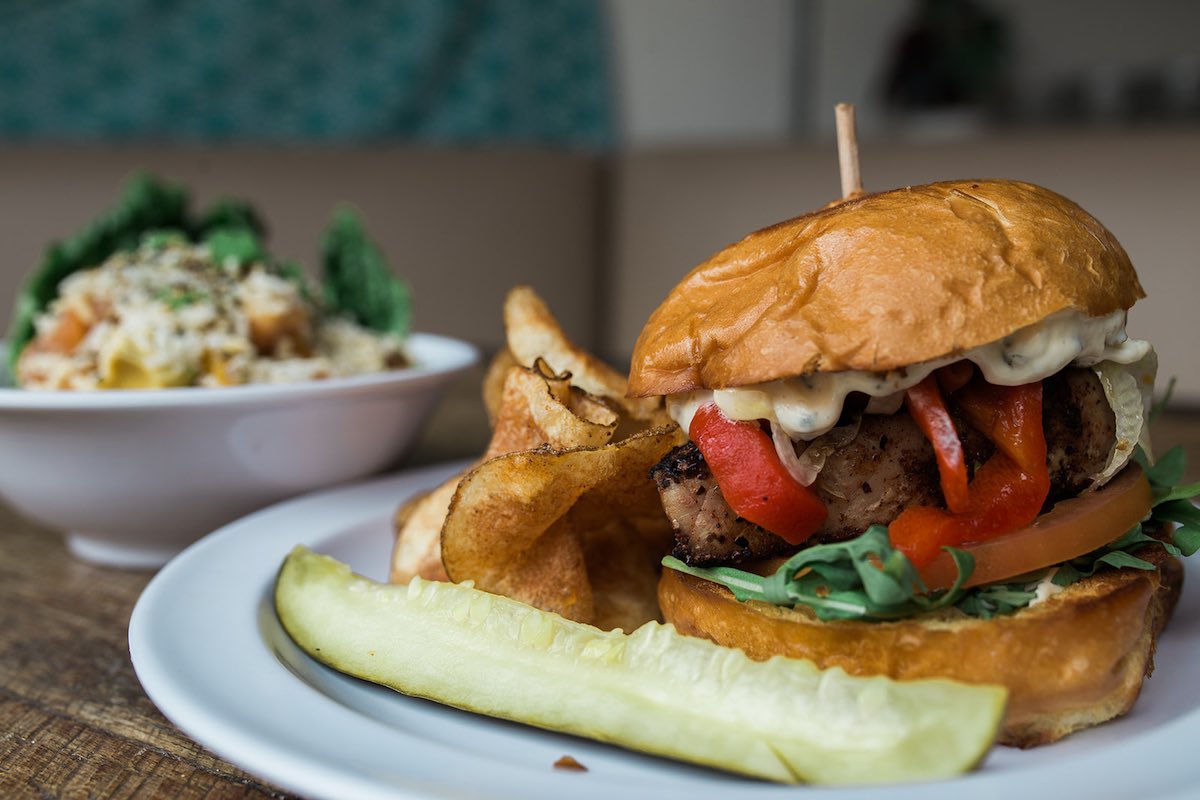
pixel 807 406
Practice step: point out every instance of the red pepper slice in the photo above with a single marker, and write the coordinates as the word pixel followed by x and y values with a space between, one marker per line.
pixel 1011 416
pixel 755 483
pixel 925 405
pixel 1007 492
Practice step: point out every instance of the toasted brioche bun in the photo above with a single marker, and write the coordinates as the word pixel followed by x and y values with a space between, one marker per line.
pixel 1073 661
pixel 881 282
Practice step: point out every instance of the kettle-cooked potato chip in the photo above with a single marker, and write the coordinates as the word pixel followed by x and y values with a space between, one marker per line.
pixel 536 409
pixel 560 511
pixel 519 524
pixel 532 332
pixel 622 568
pixel 539 408
pixel 418 549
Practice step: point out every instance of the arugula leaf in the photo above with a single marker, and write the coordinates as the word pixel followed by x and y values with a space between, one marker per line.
pixel 1167 471
pixel 1086 566
pixel 863 578
pixel 1187 539
pixel 1181 512
pixel 146 204
pixel 997 599
pixel 358 281
pixel 1173 493
pixel 1186 517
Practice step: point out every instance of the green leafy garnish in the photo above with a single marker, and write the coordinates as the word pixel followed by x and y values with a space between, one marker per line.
pixel 1167 471
pixel 358 281
pixel 863 578
pixel 162 238
pixel 233 231
pixel 179 296
pixel 145 205
pixel 238 245
pixel 154 214
pixel 867 579
pixel 227 213
pixel 997 599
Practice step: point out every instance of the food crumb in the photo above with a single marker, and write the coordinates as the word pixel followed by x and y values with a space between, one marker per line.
pixel 569 763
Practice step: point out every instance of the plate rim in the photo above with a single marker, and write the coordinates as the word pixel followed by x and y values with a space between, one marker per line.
pixel 284 765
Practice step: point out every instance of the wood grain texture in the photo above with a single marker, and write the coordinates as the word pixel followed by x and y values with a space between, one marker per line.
pixel 74 721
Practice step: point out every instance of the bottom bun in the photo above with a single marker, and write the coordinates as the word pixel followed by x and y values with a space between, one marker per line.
pixel 1073 661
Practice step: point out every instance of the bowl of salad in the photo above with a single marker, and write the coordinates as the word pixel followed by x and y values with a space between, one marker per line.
pixel 165 374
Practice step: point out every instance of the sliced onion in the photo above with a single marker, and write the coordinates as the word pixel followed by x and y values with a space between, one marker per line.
pixel 805 466
pixel 1128 390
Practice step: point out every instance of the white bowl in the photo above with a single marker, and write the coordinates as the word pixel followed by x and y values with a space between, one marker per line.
pixel 133 477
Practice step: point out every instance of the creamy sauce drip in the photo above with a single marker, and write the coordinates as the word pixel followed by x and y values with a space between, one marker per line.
pixel 809 405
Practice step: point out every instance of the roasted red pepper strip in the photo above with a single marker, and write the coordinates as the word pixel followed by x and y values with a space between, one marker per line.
pixel 1007 492
pixel 925 405
pixel 1011 416
pixel 755 483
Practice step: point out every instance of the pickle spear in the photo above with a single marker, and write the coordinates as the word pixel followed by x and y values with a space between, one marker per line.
pixel 653 690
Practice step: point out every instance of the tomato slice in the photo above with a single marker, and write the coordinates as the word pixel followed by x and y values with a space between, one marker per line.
pixel 1073 527
pixel 753 480
pixel 1003 498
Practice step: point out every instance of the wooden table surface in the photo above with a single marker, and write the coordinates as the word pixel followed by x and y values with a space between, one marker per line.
pixel 74 721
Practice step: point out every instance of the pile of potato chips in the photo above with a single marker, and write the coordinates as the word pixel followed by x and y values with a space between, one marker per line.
pixel 560 512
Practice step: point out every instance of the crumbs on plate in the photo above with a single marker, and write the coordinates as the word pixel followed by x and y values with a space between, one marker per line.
pixel 570 764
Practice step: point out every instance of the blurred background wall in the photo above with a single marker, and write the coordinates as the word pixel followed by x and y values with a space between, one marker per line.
pixel 597 149
pixel 711 71
pixel 440 71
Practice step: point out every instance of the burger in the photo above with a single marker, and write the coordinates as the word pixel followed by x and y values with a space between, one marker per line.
pixel 918 447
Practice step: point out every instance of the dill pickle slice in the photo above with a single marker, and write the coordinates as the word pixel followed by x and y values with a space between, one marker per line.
pixel 653 690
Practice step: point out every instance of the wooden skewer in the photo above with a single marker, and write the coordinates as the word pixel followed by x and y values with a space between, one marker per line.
pixel 847 145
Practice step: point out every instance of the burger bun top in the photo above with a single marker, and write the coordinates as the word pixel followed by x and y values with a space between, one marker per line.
pixel 880 282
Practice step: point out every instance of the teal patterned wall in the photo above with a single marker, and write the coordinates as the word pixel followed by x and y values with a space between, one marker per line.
pixel 460 71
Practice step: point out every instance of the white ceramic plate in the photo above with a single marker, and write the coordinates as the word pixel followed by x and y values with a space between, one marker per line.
pixel 211 654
